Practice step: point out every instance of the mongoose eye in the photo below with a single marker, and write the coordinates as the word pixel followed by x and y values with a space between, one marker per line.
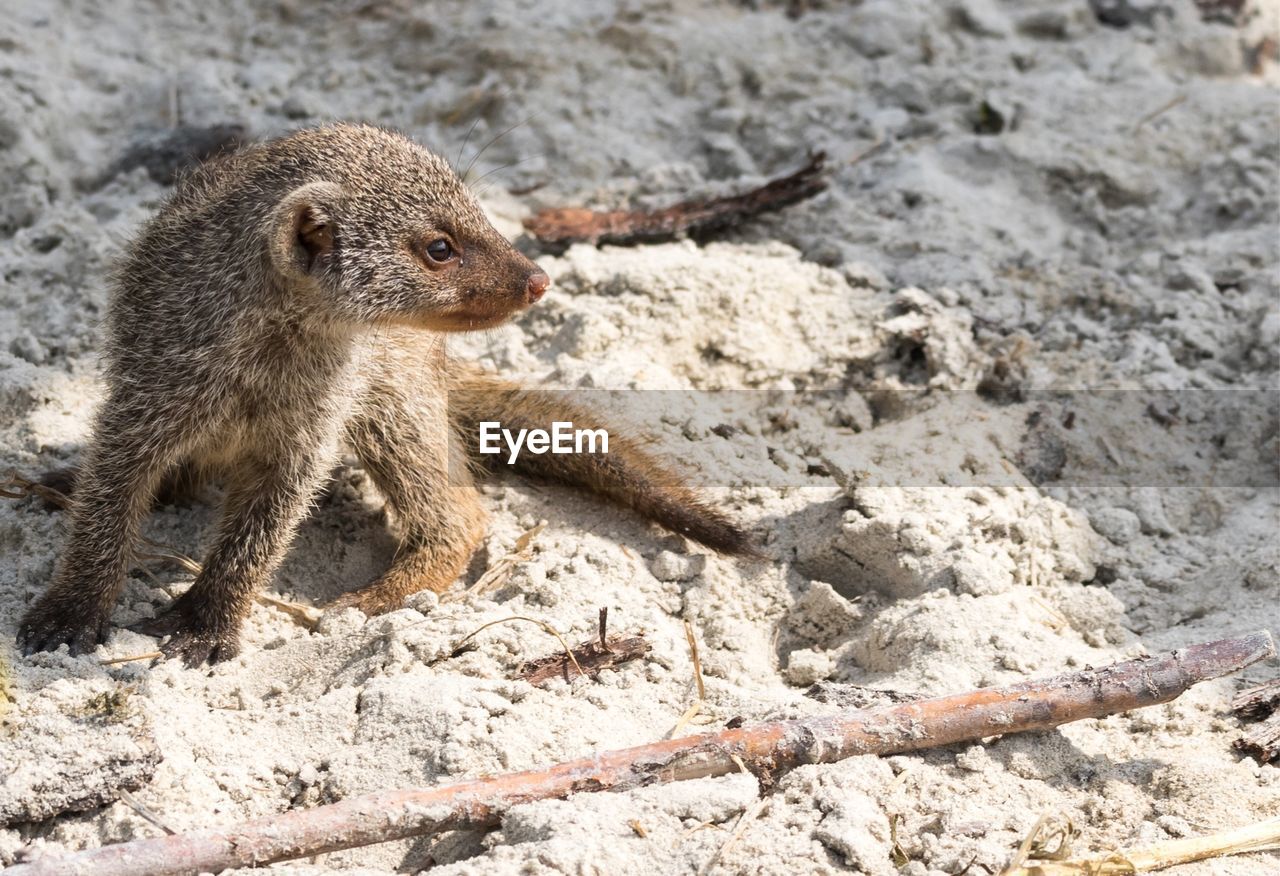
pixel 440 250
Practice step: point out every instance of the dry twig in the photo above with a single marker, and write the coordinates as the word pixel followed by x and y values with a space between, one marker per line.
pixel 1159 111
pixel 693 710
pixel 1263 739
pixel 138 807
pixel 1258 701
pixel 744 821
pixel 303 615
pixel 871 151
pixel 497 574
pixel 457 649
pixel 1261 837
pixel 150 655
pixel 590 657
pixel 15 486
pixel 1035 846
pixel 702 216
pixel 767 749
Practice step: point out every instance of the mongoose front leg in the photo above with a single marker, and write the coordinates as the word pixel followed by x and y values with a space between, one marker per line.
pixel 114 491
pixel 260 515
pixel 426 481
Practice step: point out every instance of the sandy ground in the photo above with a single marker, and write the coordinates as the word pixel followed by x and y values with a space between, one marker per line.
pixel 1021 196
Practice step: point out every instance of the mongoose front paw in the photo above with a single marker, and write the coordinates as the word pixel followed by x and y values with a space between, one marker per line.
pixel 49 624
pixel 197 647
pixel 187 638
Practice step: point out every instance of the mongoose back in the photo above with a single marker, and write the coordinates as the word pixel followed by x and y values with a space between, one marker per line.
pixel 290 300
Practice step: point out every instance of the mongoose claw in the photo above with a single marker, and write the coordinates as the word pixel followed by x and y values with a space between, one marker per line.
pixel 185 638
pixel 196 648
pixel 45 629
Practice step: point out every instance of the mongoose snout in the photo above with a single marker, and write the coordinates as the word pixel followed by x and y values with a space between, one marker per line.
pixel 493 280
pixel 536 287
pixel 290 302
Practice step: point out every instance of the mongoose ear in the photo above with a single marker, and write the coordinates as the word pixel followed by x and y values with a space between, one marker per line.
pixel 305 227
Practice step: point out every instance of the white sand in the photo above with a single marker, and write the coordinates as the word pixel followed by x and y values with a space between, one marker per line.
pixel 1087 245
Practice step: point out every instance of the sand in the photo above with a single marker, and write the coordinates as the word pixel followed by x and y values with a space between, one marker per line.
pixel 1021 196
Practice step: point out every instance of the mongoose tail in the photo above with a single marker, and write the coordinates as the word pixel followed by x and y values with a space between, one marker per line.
pixel 627 474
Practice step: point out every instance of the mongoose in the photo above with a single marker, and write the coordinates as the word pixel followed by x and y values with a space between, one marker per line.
pixel 287 301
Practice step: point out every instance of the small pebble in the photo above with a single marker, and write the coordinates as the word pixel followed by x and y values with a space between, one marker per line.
pixel 1117 525
pixel 670 566
pixel 808 666
pixel 26 346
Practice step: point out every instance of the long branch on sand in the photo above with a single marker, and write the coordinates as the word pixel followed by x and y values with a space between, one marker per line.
pixel 767 749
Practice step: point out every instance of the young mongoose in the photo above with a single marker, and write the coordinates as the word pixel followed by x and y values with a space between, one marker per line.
pixel 289 300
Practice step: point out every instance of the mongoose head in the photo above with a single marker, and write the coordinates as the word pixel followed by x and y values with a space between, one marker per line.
pixel 383 231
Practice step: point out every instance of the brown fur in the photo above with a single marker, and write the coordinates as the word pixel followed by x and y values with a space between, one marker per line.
pixel 284 304
pixel 628 474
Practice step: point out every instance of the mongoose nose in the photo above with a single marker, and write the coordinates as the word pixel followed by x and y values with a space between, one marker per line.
pixel 536 286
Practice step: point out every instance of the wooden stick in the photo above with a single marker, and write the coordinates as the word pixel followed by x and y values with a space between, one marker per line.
pixel 767 749
pixel 15 486
pixel 303 615
pixel 697 661
pixel 557 228
pixel 1261 837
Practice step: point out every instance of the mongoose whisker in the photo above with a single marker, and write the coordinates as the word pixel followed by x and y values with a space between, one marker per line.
pixel 496 137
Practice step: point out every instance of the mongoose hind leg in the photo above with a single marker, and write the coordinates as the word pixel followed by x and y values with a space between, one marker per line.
pixel 267 500
pixel 113 493
pixel 426 481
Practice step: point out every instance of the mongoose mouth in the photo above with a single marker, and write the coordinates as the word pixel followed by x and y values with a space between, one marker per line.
pixel 465 322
